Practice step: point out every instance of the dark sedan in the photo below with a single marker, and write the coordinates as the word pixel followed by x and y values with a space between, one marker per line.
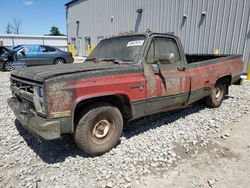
pixel 36 55
pixel 3 50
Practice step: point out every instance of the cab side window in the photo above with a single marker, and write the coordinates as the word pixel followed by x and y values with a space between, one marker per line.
pixel 163 50
pixel 31 49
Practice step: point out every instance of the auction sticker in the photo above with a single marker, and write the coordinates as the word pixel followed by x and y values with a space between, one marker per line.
pixel 135 43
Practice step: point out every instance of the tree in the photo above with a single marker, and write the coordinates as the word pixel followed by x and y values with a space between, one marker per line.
pixel 54 31
pixel 14 27
pixel 8 28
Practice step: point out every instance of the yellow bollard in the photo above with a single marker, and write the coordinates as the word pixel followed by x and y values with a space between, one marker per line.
pixel 88 50
pixel 216 51
pixel 69 47
pixel 248 72
pixel 73 51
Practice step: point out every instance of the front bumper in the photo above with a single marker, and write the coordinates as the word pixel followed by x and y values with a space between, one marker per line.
pixel 1 66
pixel 38 126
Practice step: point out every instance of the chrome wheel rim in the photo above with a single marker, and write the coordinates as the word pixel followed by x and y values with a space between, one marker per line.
pixel 101 129
pixel 59 61
pixel 217 92
pixel 9 65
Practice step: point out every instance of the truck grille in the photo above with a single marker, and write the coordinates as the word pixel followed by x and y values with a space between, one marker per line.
pixel 22 85
pixel 28 92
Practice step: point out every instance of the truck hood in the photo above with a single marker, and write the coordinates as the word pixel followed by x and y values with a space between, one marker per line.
pixel 41 73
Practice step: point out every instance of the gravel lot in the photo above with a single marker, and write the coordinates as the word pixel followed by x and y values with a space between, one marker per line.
pixel 147 147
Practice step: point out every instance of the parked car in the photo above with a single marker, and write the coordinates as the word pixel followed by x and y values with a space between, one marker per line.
pixel 36 55
pixel 11 65
pixel 124 78
pixel 5 57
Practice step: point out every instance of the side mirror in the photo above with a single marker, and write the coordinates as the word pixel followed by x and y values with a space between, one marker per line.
pixel 22 51
pixel 170 56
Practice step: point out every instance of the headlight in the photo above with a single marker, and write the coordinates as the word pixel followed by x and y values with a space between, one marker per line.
pixel 38 99
pixel 40 92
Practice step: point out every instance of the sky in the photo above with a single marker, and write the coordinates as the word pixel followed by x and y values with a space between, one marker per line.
pixel 37 16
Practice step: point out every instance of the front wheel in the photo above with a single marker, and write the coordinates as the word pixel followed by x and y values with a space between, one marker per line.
pixel 98 129
pixel 8 66
pixel 217 95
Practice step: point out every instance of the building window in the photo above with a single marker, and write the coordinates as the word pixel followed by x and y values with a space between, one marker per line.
pixel 99 38
pixel 87 42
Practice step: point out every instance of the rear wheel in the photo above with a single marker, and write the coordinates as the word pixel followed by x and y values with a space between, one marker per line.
pixel 217 95
pixel 99 129
pixel 8 66
pixel 59 61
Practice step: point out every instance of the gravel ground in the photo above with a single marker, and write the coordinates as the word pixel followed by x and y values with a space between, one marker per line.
pixel 147 146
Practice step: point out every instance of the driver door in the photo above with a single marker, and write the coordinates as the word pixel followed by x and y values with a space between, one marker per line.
pixel 172 81
pixel 28 54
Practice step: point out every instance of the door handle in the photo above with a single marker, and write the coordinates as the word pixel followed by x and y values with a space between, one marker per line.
pixel 139 86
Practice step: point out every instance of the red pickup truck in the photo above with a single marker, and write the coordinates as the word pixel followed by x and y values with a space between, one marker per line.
pixel 124 78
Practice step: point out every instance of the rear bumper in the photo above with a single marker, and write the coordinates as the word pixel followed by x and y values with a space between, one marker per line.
pixel 237 80
pixel 70 60
pixel 38 126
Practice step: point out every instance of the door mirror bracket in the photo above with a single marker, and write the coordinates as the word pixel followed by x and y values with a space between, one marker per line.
pixel 181 68
pixel 155 68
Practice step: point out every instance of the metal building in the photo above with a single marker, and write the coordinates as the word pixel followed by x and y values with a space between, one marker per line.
pixel 202 25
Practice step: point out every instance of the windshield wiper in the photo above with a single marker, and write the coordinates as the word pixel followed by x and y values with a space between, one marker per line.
pixel 113 60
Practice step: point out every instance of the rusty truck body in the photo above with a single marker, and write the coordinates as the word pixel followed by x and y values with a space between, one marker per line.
pixel 124 78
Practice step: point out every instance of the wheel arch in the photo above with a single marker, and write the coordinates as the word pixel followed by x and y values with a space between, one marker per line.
pixel 226 79
pixel 121 101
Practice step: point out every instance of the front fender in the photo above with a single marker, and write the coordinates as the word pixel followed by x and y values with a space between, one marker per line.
pixel 92 97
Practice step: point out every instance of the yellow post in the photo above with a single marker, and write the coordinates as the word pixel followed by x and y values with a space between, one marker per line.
pixel 216 51
pixel 69 47
pixel 73 50
pixel 248 72
pixel 89 50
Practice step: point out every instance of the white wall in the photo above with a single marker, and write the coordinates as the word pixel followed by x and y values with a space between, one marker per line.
pixel 13 40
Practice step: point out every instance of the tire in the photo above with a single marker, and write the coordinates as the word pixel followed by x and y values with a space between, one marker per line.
pixel 8 66
pixel 59 61
pixel 1 67
pixel 217 95
pixel 98 129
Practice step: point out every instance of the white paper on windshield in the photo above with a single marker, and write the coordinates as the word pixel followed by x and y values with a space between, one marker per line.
pixel 135 43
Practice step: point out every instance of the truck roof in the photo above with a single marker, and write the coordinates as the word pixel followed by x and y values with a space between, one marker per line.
pixel 147 34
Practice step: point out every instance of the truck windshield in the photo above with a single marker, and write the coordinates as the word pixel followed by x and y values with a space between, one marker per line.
pixel 124 48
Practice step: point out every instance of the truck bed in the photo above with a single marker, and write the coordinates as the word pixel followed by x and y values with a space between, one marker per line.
pixel 193 58
pixel 222 64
